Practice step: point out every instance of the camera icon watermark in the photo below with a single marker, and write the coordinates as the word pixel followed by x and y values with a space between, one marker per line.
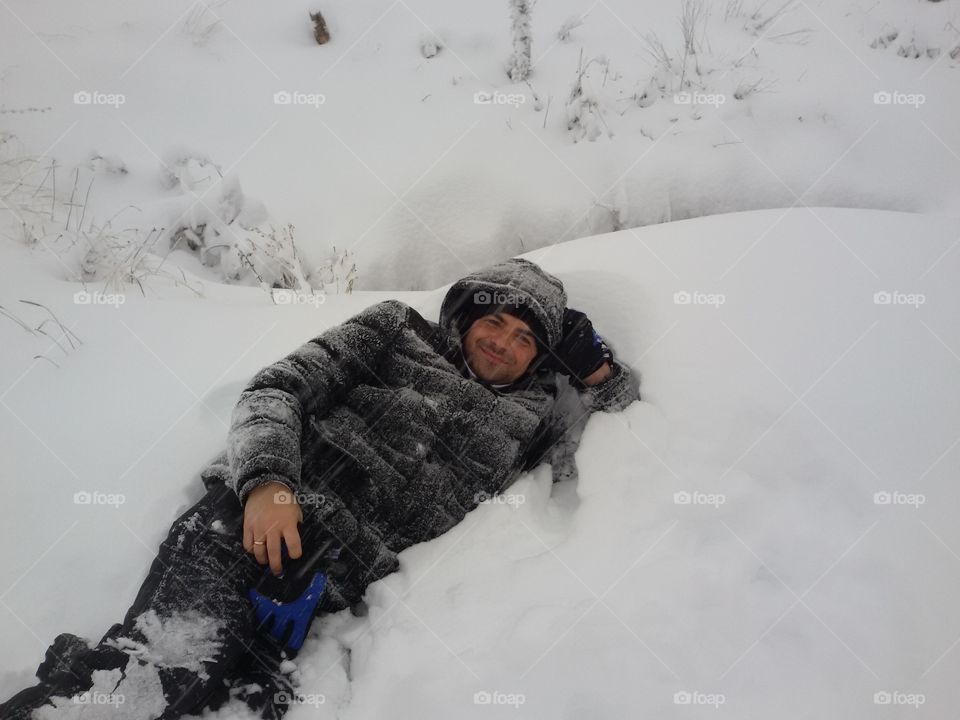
pixel 95 697
pixel 513 499
pixel 84 297
pixel 699 98
pixel 695 697
pixel 295 97
pixel 294 698
pixel 686 497
pixel 294 297
pixel 894 97
pixel 899 498
pixel 895 297
pixel 496 697
pixel 494 97
pixel 496 297
pixel 896 697
pixel 695 297
pixel 95 97
pixel 286 497
pixel 95 497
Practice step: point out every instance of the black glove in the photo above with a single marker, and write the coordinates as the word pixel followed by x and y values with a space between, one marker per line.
pixel 581 351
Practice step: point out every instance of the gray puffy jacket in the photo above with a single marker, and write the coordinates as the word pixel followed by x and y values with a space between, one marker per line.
pixel 379 429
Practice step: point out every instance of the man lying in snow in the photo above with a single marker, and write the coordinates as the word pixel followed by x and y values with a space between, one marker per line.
pixel 381 432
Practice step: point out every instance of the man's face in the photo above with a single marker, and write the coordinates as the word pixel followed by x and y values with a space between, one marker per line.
pixel 499 347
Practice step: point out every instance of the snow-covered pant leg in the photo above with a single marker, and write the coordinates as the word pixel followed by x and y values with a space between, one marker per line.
pixel 189 625
pixel 191 619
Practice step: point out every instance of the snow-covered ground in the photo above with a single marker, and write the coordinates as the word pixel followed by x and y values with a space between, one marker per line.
pixel 387 153
pixel 797 338
pixel 780 399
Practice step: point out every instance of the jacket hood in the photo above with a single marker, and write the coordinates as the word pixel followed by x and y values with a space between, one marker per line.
pixel 514 281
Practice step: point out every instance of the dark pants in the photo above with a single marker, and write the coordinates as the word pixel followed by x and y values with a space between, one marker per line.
pixel 189 636
pixel 189 640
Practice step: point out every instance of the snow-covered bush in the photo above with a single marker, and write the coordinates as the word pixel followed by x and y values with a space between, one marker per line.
pixel 430 46
pixel 230 232
pixel 23 190
pixel 519 67
pixel 584 114
pixel 568 26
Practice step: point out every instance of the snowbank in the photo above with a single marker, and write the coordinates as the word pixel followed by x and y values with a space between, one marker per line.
pixel 725 543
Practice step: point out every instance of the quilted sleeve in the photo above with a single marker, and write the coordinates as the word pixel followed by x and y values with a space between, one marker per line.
pixel 266 426
pixel 620 389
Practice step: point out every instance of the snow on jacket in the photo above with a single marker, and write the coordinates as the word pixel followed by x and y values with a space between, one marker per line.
pixel 380 429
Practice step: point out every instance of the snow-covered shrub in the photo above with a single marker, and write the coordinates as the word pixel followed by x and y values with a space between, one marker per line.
pixel 25 191
pixel 584 114
pixel 568 26
pixel 337 274
pixel 681 70
pixel 430 46
pixel 519 67
pixel 188 170
pixel 759 22
pixel 229 231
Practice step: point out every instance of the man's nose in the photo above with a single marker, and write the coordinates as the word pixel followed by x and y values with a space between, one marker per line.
pixel 498 343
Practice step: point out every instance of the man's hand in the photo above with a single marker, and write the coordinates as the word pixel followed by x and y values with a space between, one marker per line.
pixel 271 514
pixel 599 376
pixel 581 354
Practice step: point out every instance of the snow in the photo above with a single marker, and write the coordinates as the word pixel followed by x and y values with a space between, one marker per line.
pixel 783 585
pixel 771 532
pixel 182 640
pixel 389 154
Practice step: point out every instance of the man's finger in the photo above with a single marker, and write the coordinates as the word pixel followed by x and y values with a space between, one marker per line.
pixel 259 549
pixel 273 550
pixel 292 537
pixel 247 537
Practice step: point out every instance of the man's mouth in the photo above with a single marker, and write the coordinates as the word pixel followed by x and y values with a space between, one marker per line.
pixel 491 357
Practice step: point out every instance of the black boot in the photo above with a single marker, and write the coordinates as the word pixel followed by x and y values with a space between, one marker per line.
pixel 259 681
pixel 67 670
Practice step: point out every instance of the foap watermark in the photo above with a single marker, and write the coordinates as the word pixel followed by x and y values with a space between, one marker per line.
pixel 896 697
pixel 895 497
pixel 295 698
pixel 695 697
pixel 496 697
pixel 94 697
pixel 695 297
pixel 685 497
pixel 494 97
pixel 95 97
pixel 293 297
pixel 485 498
pixel 895 297
pixel 485 297
pixel 85 297
pixel 95 497
pixel 295 97
pixel 885 97
pixel 699 98
pixel 285 497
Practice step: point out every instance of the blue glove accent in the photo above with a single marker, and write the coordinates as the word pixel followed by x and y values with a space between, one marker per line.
pixel 287 603
pixel 298 613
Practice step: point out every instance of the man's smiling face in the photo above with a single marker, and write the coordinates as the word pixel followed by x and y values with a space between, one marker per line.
pixel 499 347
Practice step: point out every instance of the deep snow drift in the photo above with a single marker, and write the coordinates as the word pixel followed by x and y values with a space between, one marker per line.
pixel 771 532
